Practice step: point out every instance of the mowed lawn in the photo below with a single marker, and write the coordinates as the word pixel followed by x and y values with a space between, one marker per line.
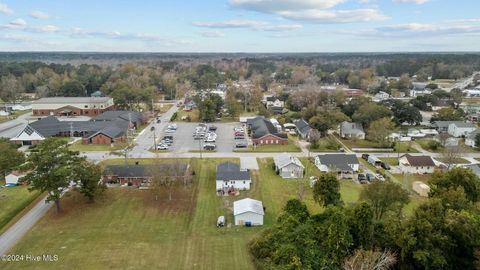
pixel 12 201
pixel 128 229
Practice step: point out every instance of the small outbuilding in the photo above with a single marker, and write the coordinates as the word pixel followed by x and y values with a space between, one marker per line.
pixel 14 177
pixel 248 212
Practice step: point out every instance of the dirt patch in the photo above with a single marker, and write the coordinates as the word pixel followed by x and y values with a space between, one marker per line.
pixel 183 199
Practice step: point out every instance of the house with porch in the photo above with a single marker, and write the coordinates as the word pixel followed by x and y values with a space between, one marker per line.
pixel 288 166
pixel 416 164
pixel 345 165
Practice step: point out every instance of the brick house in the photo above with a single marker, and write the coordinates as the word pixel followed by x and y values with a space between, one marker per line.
pixel 141 175
pixel 72 106
pixel 264 132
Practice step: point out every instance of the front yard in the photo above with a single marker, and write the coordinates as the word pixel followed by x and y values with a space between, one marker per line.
pixel 78 146
pixel 272 148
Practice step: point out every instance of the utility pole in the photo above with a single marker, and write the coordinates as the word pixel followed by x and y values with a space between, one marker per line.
pixel 154 138
pixel 200 147
pixel 71 130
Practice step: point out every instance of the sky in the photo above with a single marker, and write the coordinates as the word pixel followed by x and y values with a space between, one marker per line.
pixel 240 25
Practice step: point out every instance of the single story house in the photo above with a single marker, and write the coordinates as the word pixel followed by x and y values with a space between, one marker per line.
pixel 140 175
pixel 288 166
pixel 248 212
pixel 460 129
pixel 380 96
pixel 264 132
pixel 345 165
pixel 303 128
pixel 273 101
pixel 471 138
pixel 352 130
pixel 14 177
pixel 231 177
pixel 416 164
pixel 442 126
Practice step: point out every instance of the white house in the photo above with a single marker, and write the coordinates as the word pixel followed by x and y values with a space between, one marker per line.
pixel 288 166
pixel 416 164
pixel 248 212
pixel 471 137
pixel 459 129
pixel 352 131
pixel 380 96
pixel 231 177
pixel 343 164
pixel 14 177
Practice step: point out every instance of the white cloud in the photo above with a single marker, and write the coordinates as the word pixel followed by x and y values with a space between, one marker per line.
pixel 251 24
pixel 272 6
pixel 5 9
pixel 39 15
pixel 45 29
pixel 15 38
pixel 212 34
pixel 334 16
pixel 418 2
pixel 417 30
pixel 312 11
pixel 18 22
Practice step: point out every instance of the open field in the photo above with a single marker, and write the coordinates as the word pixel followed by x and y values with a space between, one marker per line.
pixel 404 147
pixel 327 144
pixel 163 108
pixel 12 201
pixel 390 161
pixel 454 161
pixel 129 229
pixel 193 115
pixel 290 147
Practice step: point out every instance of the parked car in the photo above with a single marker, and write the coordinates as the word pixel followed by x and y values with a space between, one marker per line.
pixel 380 177
pixel 169 137
pixel 209 146
pixel 241 145
pixel 162 147
pixel 159 121
pixel 370 177
pixel 385 166
pixel 170 131
pixel 365 156
pixel 166 142
pixel 172 126
pixel 361 177
pixel 210 139
pixel 212 128
pixel 238 129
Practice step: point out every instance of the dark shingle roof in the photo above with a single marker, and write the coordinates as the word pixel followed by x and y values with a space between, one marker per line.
pixel 125 115
pixel 338 161
pixel 231 171
pixel 302 126
pixel 261 127
pixel 419 160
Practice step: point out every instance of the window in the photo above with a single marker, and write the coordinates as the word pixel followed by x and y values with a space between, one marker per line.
pixel 86 106
pixel 244 182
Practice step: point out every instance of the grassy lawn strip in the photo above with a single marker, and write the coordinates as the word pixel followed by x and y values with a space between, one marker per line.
pixel 78 146
pixel 390 161
pixel 273 148
pixel 163 108
pixel 193 115
pixel 327 144
pixel 455 161
pixel 13 200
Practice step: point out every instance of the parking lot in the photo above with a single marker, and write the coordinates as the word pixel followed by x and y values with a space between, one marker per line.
pixel 183 140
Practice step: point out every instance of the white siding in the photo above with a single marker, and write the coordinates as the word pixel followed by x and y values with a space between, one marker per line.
pixel 236 184
pixel 11 179
pixel 291 171
pixel 254 218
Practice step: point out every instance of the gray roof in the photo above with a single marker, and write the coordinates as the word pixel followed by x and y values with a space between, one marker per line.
pixel 231 171
pixel 444 124
pixel 113 124
pixel 261 127
pixel 418 86
pixel 71 100
pixel 338 161
pixel 351 128
pixel 285 159
pixel 419 161
pixel 473 134
pixel 125 115
pixel 474 167
pixel 302 126
pixel 464 125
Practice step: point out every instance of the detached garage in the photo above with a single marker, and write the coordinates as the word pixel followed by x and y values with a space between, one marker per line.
pixel 248 212
pixel 14 177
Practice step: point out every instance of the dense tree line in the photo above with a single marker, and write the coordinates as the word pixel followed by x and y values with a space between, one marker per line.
pixel 442 233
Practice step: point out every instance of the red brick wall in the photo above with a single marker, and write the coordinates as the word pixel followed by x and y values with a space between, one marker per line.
pixel 270 139
pixel 135 181
pixel 102 139
pixel 75 111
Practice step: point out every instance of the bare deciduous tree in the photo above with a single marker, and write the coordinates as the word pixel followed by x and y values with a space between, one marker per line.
pixel 370 260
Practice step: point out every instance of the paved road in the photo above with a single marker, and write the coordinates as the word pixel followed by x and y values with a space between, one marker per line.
pixel 13 127
pixel 19 229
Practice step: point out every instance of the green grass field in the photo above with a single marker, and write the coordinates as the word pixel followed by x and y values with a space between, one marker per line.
pixel 12 201
pixel 194 115
pixel 454 161
pixel 128 229
pixel 390 161
pixel 273 148
pixel 78 146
